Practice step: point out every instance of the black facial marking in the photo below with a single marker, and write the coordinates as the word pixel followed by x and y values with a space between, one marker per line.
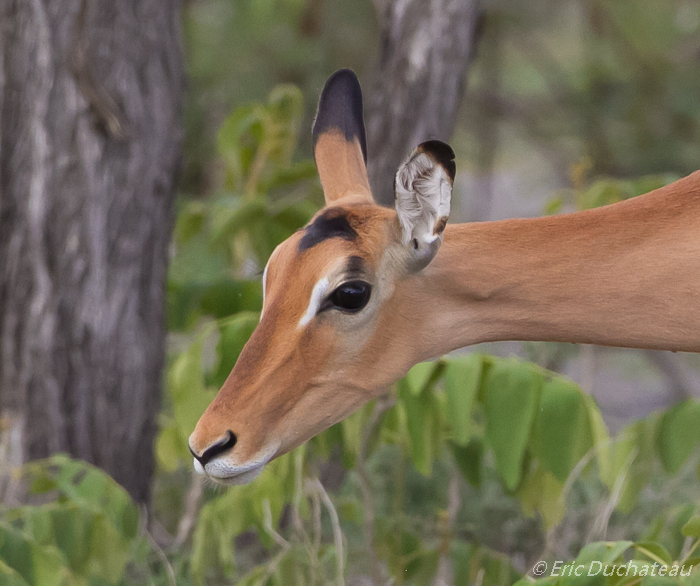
pixel 355 265
pixel 331 224
pixel 340 108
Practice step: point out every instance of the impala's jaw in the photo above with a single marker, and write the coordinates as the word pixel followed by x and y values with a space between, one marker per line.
pixel 226 471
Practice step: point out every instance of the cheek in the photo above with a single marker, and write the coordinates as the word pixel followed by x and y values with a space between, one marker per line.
pixel 388 351
pixel 317 347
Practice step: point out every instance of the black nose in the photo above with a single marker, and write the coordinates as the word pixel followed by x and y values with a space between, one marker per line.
pixel 214 450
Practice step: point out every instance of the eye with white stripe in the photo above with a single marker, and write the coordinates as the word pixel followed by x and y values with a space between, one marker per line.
pixel 350 297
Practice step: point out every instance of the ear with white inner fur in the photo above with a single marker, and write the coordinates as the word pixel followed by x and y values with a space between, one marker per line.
pixel 423 190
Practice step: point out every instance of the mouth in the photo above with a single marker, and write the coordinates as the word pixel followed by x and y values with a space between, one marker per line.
pixel 239 477
pixel 227 474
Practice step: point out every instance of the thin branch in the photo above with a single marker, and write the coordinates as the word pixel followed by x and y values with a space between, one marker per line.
pixel 337 532
pixel 158 550
pixel 277 538
pixel 445 572
pixel 297 523
pixel 267 524
pixel 600 526
pixel 189 517
pixel 381 406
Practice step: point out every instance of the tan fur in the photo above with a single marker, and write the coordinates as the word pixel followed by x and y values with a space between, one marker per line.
pixel 341 168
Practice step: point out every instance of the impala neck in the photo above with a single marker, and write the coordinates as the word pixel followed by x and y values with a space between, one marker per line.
pixel 622 275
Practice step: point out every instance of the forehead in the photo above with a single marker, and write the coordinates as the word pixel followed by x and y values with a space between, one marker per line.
pixel 333 236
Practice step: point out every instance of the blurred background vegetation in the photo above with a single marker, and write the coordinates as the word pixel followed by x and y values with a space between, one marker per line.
pixel 474 467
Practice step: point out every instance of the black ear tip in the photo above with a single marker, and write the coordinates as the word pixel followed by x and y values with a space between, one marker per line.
pixel 343 79
pixel 442 153
pixel 340 108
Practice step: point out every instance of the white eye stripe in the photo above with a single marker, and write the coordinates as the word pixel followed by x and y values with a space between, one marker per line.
pixel 264 286
pixel 317 295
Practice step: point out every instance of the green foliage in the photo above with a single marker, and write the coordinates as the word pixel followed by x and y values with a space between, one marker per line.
pixel 614 81
pixel 511 395
pixel 679 434
pixel 83 533
pixel 588 194
pixel 263 196
pixel 562 428
pixel 462 377
pixel 257 505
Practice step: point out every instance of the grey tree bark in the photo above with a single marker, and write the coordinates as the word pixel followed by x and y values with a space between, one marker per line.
pixel 90 100
pixel 425 50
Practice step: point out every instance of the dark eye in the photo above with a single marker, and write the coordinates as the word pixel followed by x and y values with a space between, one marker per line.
pixel 351 296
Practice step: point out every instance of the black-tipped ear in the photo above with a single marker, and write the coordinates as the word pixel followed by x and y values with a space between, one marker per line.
pixel 442 153
pixel 340 108
pixel 340 147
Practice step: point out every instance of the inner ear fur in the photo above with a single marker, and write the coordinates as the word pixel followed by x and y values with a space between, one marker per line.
pixel 340 146
pixel 423 192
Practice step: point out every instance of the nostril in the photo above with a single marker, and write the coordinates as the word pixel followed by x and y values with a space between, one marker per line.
pixel 219 447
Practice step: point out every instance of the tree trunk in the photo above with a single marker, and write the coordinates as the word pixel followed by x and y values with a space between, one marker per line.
pixel 90 99
pixel 425 50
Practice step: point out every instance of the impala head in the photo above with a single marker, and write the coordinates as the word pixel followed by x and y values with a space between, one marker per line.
pixel 340 307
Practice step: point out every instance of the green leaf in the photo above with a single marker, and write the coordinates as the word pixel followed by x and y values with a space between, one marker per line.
pixel 469 460
pixel 230 221
pixel 9 577
pixel 554 206
pixel 562 433
pixel 511 392
pixel 292 175
pixel 90 489
pixel 461 554
pixel 643 434
pixel 190 221
pixel 679 434
pixel 228 296
pixel 594 557
pixel 234 336
pixel 169 449
pixel 352 429
pixel 462 378
pixel 186 385
pixel 109 551
pixel 419 376
pixel 601 441
pixel 72 529
pixel 188 395
pixel 420 422
pixel 692 527
pixel 541 491
pixel 36 564
pixel 654 551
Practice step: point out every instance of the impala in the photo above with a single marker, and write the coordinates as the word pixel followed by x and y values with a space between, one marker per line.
pixel 363 293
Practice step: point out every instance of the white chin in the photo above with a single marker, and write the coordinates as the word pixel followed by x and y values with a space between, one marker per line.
pixel 242 478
